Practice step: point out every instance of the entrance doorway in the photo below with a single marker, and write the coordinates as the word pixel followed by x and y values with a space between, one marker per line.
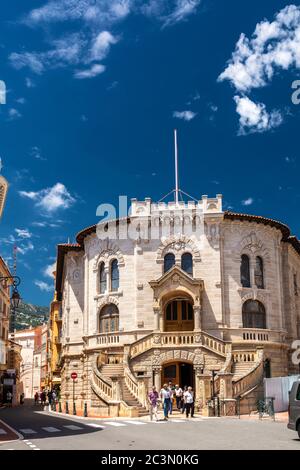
pixel 180 373
pixel 179 315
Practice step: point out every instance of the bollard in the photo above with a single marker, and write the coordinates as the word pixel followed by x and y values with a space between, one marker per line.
pixel 59 407
pixel 85 413
pixel 74 408
pixel 67 408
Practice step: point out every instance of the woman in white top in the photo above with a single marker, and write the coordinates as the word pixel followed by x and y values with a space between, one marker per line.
pixel 189 402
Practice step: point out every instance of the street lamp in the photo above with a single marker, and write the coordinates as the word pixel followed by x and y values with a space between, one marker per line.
pixel 15 297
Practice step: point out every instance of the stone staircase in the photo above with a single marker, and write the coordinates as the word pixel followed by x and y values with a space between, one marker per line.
pixel 117 370
pixel 240 369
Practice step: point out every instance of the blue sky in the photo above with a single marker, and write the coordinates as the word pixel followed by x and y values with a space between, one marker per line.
pixel 95 89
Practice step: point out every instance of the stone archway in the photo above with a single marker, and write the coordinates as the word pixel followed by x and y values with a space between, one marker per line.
pixel 160 358
pixel 174 282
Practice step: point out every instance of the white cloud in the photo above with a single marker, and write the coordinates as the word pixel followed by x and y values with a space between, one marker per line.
pixel 185 115
pixel 183 9
pixel 21 100
pixel 48 270
pixel 43 286
pixel 51 199
pixel 273 47
pixel 92 72
pixel 23 248
pixel 29 83
pixel 64 51
pixel 36 153
pixel 90 21
pixel 170 12
pixel 248 202
pixel 254 116
pixel 14 114
pixel 101 45
pixel 89 11
pixel 23 233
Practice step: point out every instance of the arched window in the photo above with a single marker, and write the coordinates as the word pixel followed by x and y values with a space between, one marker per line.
pixel 169 261
pixel 114 275
pixel 109 319
pixel 259 272
pixel 102 278
pixel 245 271
pixel 187 263
pixel 254 314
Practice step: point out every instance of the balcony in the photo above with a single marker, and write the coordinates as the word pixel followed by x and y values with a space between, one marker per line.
pixel 254 335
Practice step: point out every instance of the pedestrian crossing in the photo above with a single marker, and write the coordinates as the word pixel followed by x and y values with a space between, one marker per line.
pixel 81 427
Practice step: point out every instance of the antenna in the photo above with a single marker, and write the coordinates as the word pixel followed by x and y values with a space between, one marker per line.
pixel 15 252
pixel 176 167
pixel 177 191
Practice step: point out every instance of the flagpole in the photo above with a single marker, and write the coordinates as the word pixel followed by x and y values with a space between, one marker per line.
pixel 176 167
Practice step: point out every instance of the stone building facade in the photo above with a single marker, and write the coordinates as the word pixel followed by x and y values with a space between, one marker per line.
pixel 194 289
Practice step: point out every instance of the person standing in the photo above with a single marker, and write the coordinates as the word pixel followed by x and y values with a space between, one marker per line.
pixel 166 398
pixel 36 398
pixel 183 403
pixel 43 398
pixel 189 402
pixel 178 396
pixel 49 395
pixel 9 398
pixel 22 396
pixel 153 399
pixel 171 389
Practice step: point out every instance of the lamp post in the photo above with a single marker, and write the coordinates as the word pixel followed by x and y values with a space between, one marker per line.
pixel 15 298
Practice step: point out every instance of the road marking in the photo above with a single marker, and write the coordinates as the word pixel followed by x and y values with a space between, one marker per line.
pixel 27 431
pixel 73 427
pixel 138 423
pixel 51 429
pixel 2 431
pixel 32 445
pixel 95 425
pixel 113 423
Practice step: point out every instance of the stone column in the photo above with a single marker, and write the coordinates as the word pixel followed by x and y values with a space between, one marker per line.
pixel 116 391
pixel 106 270
pixel 157 378
pixel 225 384
pixel 156 318
pixel 197 318
pixel 204 394
pixel 161 321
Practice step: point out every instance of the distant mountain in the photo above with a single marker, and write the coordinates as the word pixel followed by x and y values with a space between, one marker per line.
pixel 30 315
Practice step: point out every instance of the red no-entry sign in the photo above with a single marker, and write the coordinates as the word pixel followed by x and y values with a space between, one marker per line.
pixel 73 375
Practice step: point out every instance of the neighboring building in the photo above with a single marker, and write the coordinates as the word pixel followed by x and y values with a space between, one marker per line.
pixel 31 342
pixel 44 361
pixel 4 323
pixel 3 193
pixel 54 345
pixel 224 297
pixel 11 381
pixel 36 370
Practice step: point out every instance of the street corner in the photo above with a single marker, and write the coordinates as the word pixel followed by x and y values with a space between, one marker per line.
pixel 8 434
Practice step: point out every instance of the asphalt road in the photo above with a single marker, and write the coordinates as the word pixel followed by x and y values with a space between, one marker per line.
pixel 45 431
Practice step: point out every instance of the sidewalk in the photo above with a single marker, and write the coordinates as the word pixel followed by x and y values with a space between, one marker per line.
pixel 281 417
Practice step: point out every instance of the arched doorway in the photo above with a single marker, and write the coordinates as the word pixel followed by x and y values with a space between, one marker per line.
pixel 178 372
pixel 179 315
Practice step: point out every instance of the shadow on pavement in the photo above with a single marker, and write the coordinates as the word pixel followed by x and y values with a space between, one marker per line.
pixel 31 417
